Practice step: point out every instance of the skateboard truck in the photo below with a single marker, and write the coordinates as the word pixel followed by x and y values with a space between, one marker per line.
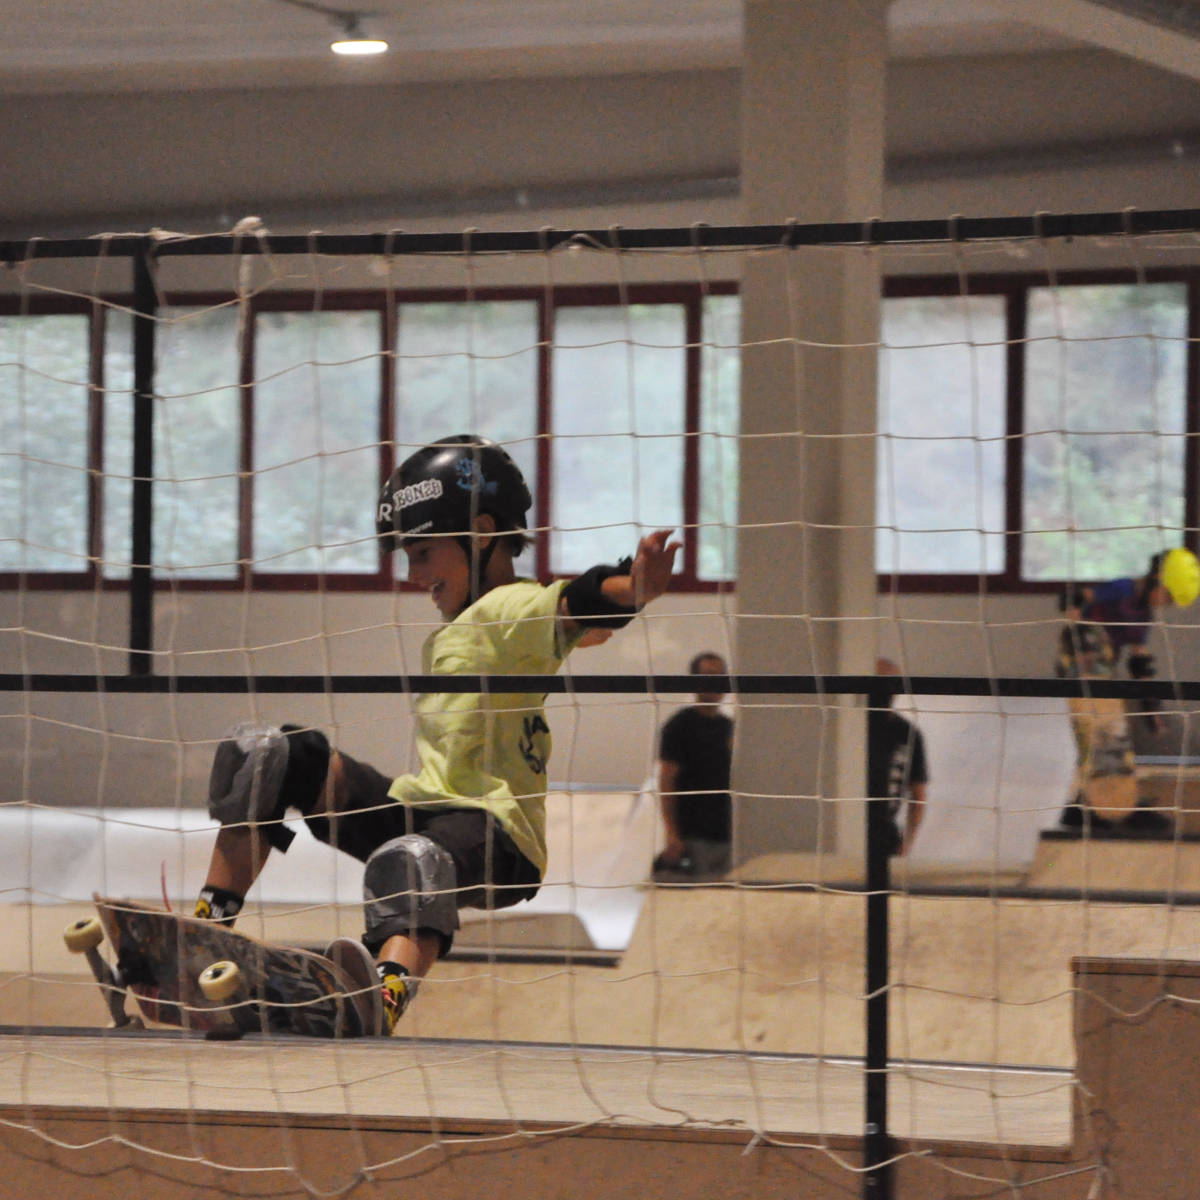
pixel 83 937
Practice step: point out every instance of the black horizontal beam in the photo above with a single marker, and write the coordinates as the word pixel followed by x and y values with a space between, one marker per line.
pixel 843 233
pixel 746 685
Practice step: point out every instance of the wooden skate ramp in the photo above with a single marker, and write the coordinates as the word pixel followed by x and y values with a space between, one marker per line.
pixel 773 970
pixel 1136 865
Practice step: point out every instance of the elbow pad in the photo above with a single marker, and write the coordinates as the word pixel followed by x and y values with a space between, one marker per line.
pixel 587 603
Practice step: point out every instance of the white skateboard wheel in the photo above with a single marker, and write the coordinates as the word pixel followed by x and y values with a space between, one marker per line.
pixel 220 981
pixel 83 935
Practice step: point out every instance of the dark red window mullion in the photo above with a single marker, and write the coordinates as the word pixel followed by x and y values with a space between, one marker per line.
pixel 390 317
pixel 691 438
pixel 1014 446
pixel 246 483
pixel 544 460
pixel 1191 444
pixel 96 415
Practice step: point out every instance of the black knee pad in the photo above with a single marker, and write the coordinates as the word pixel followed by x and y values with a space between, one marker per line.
pixel 259 772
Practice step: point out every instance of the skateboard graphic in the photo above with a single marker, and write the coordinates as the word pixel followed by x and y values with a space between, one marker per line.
pixel 1105 775
pixel 204 976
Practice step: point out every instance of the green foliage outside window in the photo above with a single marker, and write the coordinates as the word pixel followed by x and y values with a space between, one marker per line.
pixel 197 443
pixel 43 443
pixel 1102 445
pixel 316 428
pixel 1105 420
pixel 618 417
pixel 469 368
pixel 939 484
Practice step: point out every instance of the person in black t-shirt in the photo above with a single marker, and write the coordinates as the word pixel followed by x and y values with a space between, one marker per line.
pixel 896 767
pixel 695 751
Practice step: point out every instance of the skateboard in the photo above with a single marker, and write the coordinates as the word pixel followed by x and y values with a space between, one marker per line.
pixel 1105 775
pixel 204 976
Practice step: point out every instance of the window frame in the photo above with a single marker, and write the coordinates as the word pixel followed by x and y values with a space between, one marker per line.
pixel 386 303
pixel 1014 287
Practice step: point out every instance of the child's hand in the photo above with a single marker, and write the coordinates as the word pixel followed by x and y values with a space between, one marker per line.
pixel 650 575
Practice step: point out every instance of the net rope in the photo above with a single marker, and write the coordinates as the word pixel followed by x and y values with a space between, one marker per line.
pixel 729 1005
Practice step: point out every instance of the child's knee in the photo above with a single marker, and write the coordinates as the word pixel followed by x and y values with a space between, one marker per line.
pixel 260 771
pixel 410 884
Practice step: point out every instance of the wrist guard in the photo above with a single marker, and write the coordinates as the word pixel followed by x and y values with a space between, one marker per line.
pixel 587 603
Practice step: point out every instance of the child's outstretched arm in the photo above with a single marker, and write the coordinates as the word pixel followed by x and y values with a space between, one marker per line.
pixel 609 597
pixel 649 575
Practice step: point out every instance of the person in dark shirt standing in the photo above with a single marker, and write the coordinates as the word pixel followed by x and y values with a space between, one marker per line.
pixel 695 751
pixel 896 767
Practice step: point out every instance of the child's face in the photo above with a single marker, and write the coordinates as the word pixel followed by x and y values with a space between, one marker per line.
pixel 439 566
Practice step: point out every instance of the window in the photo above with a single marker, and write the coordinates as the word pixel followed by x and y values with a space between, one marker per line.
pixel 457 361
pixel 1105 419
pixel 720 408
pixel 197 437
pixel 44 431
pixel 1031 434
pixel 317 397
pixel 939 483
pixel 1027 433
pixel 275 420
pixel 618 418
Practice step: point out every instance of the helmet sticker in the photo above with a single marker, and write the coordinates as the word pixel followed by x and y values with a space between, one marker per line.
pixel 406 497
pixel 415 493
pixel 471 478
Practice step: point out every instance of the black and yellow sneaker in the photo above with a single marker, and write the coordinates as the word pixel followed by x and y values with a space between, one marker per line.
pixel 397 988
pixel 218 904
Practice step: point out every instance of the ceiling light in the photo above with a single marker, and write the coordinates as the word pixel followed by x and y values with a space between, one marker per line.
pixel 354 39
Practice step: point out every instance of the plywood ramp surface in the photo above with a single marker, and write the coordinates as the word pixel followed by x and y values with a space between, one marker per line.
pixel 531 1083
pixel 975 980
pixel 1128 864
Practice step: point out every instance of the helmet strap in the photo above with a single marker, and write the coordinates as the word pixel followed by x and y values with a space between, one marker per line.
pixel 477 564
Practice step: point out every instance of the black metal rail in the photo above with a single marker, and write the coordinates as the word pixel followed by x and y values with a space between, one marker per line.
pixel 736 685
pixel 732 237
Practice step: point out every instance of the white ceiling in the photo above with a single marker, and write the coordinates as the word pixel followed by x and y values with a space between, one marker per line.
pixel 979 88
pixel 67 46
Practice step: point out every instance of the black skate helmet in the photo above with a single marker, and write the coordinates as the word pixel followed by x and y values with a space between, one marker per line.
pixel 442 487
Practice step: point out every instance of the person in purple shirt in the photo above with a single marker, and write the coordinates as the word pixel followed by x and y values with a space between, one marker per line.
pixel 1108 622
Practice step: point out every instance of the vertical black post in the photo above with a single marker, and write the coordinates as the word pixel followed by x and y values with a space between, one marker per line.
pixel 141 579
pixel 877 1143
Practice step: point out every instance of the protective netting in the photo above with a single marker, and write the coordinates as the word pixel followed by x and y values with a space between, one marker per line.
pixel 910 443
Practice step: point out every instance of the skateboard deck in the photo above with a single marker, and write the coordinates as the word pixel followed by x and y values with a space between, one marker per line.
pixel 1105 774
pixel 160 957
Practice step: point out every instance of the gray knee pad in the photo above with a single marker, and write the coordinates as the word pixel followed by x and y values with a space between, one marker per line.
pixel 245 784
pixel 410 883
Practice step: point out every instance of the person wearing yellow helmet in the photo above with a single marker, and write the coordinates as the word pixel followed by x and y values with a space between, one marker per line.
pixel 1106 620
pixel 1179 573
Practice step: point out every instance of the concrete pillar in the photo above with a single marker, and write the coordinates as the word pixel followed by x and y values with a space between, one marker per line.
pixel 812 150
